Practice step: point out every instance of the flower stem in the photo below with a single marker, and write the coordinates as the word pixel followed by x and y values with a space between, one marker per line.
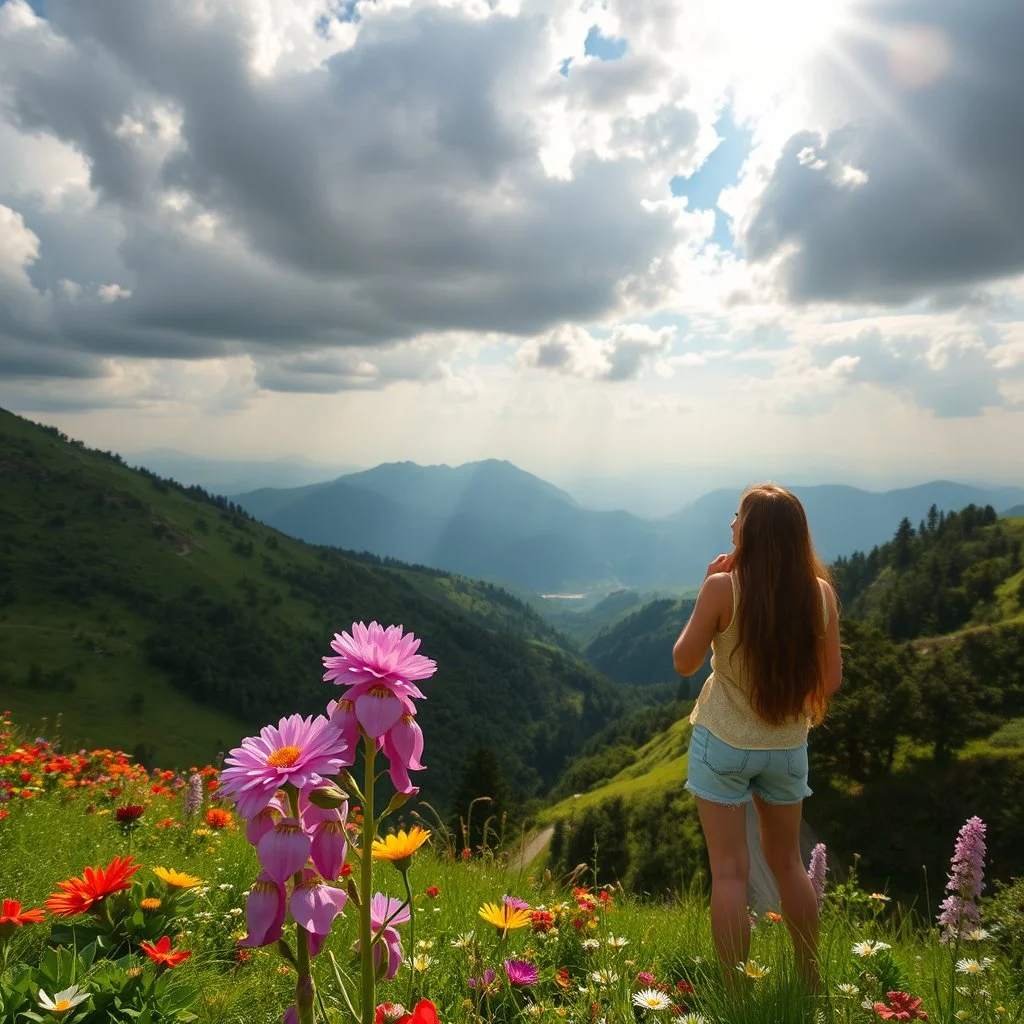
pixel 412 935
pixel 368 1003
pixel 304 988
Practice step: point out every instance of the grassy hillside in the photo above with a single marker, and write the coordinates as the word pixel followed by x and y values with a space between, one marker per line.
pixel 154 617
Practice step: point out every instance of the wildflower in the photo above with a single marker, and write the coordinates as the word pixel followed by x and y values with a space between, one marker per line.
pixel 12 916
pixel 542 920
pixel 880 897
pixel 684 987
pixel 562 978
pixel 973 966
pixel 424 1013
pixel 846 989
pixel 752 969
pixel 129 813
pixel 150 904
pixel 484 980
pixel 504 917
pixel 298 751
pixel 388 1013
pixel 901 1006
pixel 394 912
pixel 432 891
pixel 966 881
pixel 617 941
pixel 372 654
pixel 463 941
pixel 817 871
pixel 604 977
pixel 691 1018
pixel 421 962
pixel 399 848
pixel 645 978
pixel 521 973
pixel 285 849
pixel 466 853
pixel 62 1001
pixel 590 944
pixel 161 953
pixel 515 902
pixel 770 915
pixel 218 818
pixel 977 935
pixel 78 895
pixel 176 879
pixel 651 999
pixel 868 947
pixel 314 904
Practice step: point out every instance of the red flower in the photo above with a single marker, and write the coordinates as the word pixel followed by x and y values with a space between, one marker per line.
pixel 562 978
pixel 129 813
pixel 433 891
pixel 466 853
pixel 770 915
pixel 77 895
pixel 346 869
pixel 542 920
pixel 903 1007
pixel 424 1013
pixel 161 952
pixel 12 916
pixel 218 818
pixel 684 986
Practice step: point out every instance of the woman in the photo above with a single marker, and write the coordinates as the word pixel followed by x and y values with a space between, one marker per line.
pixel 769 614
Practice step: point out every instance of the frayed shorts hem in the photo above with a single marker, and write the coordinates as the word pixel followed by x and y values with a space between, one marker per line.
pixel 778 803
pixel 717 798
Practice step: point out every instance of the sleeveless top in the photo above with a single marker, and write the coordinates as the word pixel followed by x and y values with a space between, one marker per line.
pixel 723 706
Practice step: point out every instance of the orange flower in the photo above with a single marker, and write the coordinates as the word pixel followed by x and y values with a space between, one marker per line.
pixel 161 952
pixel 13 916
pixel 218 818
pixel 78 895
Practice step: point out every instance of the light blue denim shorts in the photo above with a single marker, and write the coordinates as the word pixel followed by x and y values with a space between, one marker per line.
pixel 731 775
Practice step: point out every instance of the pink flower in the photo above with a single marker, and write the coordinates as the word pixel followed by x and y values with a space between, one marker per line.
pixel 901 1007
pixel 329 848
pixel 264 912
pixel 262 822
pixel 394 912
pixel 284 850
pixel 403 744
pixel 521 973
pixel 372 653
pixel 645 978
pixel 960 911
pixel 817 871
pixel 315 905
pixel 298 752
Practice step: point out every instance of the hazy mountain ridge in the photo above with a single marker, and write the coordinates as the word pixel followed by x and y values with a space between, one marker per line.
pixel 494 521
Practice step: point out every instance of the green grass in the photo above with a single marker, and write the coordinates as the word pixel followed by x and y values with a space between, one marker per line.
pixel 49 839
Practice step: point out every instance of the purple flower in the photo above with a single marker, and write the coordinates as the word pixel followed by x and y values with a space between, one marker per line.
pixel 515 902
pixel 394 912
pixel 194 795
pixel 284 850
pixel 959 910
pixel 817 871
pixel 519 972
pixel 645 978
pixel 264 912
pixel 299 752
pixel 378 666
pixel 315 905
pixel 484 980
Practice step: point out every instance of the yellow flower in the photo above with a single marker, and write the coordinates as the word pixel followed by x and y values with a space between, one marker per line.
pixel 176 879
pixel 504 917
pixel 149 904
pixel 400 848
pixel 752 969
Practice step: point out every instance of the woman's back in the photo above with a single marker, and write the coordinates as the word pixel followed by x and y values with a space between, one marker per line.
pixel 723 706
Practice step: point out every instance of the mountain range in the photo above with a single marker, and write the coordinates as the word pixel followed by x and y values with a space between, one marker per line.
pixel 492 520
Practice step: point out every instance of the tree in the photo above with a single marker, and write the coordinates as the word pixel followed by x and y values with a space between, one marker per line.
pixel 481 777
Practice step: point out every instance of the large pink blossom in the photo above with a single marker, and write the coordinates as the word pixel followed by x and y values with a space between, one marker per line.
pixel 265 909
pixel 298 751
pixel 315 905
pixel 373 653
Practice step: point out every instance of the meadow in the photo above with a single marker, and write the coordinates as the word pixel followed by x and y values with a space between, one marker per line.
pixel 579 953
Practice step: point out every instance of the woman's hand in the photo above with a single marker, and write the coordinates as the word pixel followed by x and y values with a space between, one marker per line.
pixel 723 563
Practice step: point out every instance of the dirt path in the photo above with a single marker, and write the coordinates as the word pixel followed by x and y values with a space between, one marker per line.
pixel 531 849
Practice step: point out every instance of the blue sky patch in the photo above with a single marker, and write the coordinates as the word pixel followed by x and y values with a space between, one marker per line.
pixel 603 47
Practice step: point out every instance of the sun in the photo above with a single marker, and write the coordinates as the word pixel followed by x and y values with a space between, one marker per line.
pixel 773 38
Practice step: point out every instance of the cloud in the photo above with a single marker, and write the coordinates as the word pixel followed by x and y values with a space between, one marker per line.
pixel 575 352
pixel 913 186
pixel 226 178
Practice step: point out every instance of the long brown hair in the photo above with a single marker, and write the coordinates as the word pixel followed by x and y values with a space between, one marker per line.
pixel 780 619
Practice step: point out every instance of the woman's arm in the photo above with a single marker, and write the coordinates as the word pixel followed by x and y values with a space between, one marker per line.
pixel 833 652
pixel 714 598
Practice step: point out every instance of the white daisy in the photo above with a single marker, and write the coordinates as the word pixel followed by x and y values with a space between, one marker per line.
pixel 590 943
pixel 966 966
pixel 651 999
pixel 848 990
pixel 463 941
pixel 978 935
pixel 691 1018
pixel 752 969
pixel 617 941
pixel 604 977
pixel 869 947
pixel 66 999
pixel 420 962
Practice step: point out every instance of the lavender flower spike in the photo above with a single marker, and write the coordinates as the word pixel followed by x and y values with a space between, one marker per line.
pixel 816 872
pixel 193 795
pixel 959 911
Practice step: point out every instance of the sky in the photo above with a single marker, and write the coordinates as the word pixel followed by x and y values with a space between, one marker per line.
pixel 596 239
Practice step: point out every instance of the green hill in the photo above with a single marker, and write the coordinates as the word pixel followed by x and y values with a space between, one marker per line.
pixel 150 616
